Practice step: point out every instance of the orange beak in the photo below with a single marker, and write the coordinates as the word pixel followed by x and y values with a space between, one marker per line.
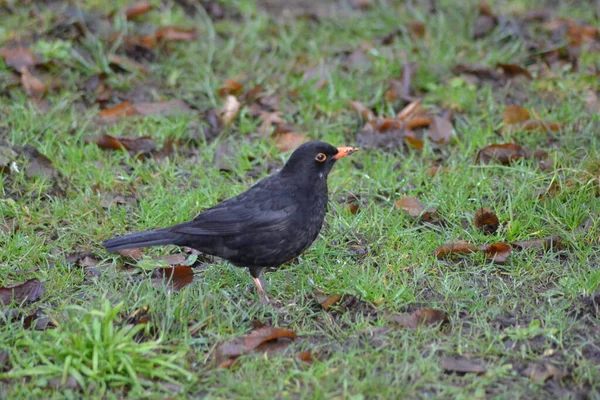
pixel 345 151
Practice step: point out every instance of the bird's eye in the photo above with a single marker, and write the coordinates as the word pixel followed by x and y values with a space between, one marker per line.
pixel 321 157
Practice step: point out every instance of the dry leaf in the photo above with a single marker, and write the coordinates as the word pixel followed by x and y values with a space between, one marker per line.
pixel 415 208
pixel 228 351
pixel 440 130
pixel 114 113
pixel 503 153
pixel 30 291
pixel 410 111
pixel 486 220
pixel 547 243
pixel 460 247
pixel 541 372
pixel 171 107
pixel 230 87
pixel 39 165
pixel 135 145
pixel 537 125
pixel 18 59
pixel 32 85
pixel 418 121
pixel 139 8
pixel 461 365
pixel 230 110
pixel 176 277
pixel 514 114
pixel 426 317
pixel 289 141
pixel 330 301
pixel 136 253
pixel 512 70
pixel 497 252
pixel 174 34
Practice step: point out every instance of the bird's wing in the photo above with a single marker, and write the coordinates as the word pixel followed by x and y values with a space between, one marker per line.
pixel 249 212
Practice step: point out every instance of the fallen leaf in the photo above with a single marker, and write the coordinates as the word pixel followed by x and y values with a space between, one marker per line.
pixel 462 366
pixel 18 58
pixel 541 372
pixel 480 71
pixel 139 8
pixel 460 247
pixel 173 259
pixel 125 64
pixel 440 130
pixel 136 253
pixel 176 277
pixel 330 301
pixel 503 153
pixel 135 145
pixel 412 110
pixel 30 291
pixel 228 351
pixel 538 125
pixel 363 111
pixel 39 165
pixel 305 356
pixel 486 220
pixel 34 87
pixel 417 29
pixel 512 70
pixel 514 114
pixel 289 141
pixel 230 87
pixel 230 109
pixel 173 34
pixel 415 208
pixel 547 243
pixel 497 252
pixel 426 317
pixel 418 121
pixel 485 22
pixel 122 110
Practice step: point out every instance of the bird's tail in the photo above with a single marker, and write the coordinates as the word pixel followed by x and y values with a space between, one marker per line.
pixel 155 237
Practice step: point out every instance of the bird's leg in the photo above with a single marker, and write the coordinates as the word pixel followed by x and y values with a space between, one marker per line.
pixel 261 292
pixel 255 272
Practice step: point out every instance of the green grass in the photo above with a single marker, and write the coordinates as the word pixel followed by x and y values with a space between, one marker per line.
pixel 533 309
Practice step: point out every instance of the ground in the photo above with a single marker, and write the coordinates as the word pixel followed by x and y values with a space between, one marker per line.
pixel 478 128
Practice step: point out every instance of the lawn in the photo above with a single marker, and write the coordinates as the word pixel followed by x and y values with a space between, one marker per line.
pixel 459 257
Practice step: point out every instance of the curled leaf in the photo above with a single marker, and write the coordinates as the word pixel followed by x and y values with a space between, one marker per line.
pixel 460 247
pixel 497 252
pixel 30 291
pixel 486 220
pixel 503 153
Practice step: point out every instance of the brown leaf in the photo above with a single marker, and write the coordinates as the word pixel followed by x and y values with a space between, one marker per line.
pixel 364 112
pixel 415 208
pixel 174 34
pixel 34 87
pixel 139 8
pixel 486 220
pixel 480 71
pixel 461 365
pixel 122 110
pixel 503 153
pixel 512 70
pixel 410 111
pixel 497 252
pixel 426 317
pixel 289 141
pixel 39 165
pixel 125 64
pixel 418 121
pixel 18 58
pixel 136 253
pixel 541 372
pixel 269 119
pixel 440 130
pixel 460 247
pixel 135 145
pixel 537 125
pixel 230 109
pixel 172 259
pixel 30 291
pixel 417 29
pixel 228 351
pixel 514 114
pixel 230 87
pixel 330 301
pixel 547 243
pixel 413 142
pixel 176 277
pixel 305 356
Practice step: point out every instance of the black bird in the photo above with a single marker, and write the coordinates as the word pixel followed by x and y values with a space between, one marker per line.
pixel 272 222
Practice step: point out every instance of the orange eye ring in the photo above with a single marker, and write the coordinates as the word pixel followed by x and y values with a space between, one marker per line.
pixel 321 157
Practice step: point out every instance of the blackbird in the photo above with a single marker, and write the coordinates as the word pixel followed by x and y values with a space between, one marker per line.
pixel 272 222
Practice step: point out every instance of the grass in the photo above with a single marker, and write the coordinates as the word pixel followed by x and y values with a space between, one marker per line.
pixel 532 310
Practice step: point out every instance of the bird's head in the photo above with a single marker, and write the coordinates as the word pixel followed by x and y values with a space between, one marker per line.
pixel 314 160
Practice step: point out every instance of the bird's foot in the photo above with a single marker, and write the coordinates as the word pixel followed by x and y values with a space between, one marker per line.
pixel 261 293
